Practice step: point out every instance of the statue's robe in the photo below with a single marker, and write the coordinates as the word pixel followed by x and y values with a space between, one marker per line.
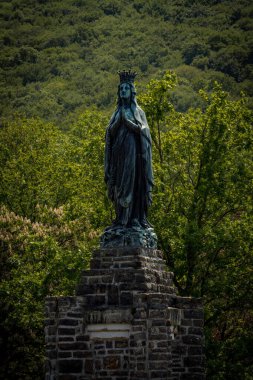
pixel 128 170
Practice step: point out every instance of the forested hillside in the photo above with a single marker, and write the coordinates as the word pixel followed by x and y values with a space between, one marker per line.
pixel 59 61
pixel 59 57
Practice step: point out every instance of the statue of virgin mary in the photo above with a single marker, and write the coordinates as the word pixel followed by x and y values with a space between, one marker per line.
pixel 128 159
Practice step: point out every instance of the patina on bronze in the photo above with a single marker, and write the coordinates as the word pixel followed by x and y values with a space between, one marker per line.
pixel 128 170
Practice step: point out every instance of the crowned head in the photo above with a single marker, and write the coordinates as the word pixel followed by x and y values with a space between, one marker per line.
pixel 126 89
pixel 127 76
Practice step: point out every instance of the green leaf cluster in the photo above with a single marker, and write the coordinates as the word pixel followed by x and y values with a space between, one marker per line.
pixel 59 57
pixel 50 222
pixel 203 215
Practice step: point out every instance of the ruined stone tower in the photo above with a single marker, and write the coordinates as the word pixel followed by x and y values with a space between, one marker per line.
pixel 126 322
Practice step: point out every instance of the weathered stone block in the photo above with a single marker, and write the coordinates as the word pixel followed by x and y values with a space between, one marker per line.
pixel 191 339
pixel 186 322
pixel 163 344
pixel 159 374
pixel 194 314
pixel 66 338
pixel 89 366
pixel 158 356
pixel 189 376
pixel 82 338
pixel 51 330
pixel 73 346
pixel 193 361
pixel 198 370
pixel 113 295
pixel 68 322
pixel 98 364
pixel 82 354
pixel 195 350
pixel 49 322
pixel 159 365
pixel 159 322
pixel 195 331
pixel 121 343
pixel 179 370
pixel 65 354
pixel 179 350
pixel 112 362
pixel 70 366
pixel 95 300
pixel 52 354
pixel 75 315
pixel 66 331
pixel 198 322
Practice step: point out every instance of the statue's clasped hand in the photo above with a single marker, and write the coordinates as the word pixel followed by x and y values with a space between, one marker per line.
pixel 129 123
pixel 132 126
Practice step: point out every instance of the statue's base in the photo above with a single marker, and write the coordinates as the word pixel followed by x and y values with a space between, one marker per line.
pixel 126 322
pixel 128 237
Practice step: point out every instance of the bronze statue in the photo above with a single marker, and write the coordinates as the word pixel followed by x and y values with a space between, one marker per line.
pixel 128 160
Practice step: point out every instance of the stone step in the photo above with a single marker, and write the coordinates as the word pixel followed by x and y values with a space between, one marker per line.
pixel 139 269
pixel 113 295
pixel 133 252
pixel 97 289
pixel 125 272
pixel 96 281
pixel 127 262
pixel 126 276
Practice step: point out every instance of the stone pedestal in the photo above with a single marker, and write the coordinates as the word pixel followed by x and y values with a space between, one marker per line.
pixel 126 322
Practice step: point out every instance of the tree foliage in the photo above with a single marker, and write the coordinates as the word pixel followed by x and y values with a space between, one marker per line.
pixel 49 224
pixel 203 215
pixel 54 208
pixel 57 56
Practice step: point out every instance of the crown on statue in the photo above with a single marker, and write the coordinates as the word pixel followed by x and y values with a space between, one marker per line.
pixel 127 76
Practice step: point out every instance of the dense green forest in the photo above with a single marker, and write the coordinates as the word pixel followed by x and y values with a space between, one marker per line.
pixel 58 88
pixel 60 57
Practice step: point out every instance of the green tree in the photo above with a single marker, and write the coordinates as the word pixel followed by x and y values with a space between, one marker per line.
pixel 203 216
pixel 157 103
pixel 50 221
pixel 33 163
pixel 38 259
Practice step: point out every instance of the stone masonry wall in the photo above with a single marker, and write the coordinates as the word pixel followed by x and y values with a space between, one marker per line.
pixel 125 322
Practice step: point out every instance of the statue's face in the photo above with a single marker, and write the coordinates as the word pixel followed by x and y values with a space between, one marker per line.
pixel 125 91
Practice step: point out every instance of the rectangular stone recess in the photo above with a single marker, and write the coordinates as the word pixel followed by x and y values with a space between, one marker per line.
pixel 108 330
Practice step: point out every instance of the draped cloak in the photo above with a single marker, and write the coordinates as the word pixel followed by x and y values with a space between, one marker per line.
pixel 128 167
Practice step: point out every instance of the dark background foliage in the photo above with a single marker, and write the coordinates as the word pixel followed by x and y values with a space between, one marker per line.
pixel 59 57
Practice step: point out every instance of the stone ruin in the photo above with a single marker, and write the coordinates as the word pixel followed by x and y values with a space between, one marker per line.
pixel 126 322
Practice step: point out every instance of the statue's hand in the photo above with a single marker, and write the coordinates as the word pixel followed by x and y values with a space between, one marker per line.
pixel 132 126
